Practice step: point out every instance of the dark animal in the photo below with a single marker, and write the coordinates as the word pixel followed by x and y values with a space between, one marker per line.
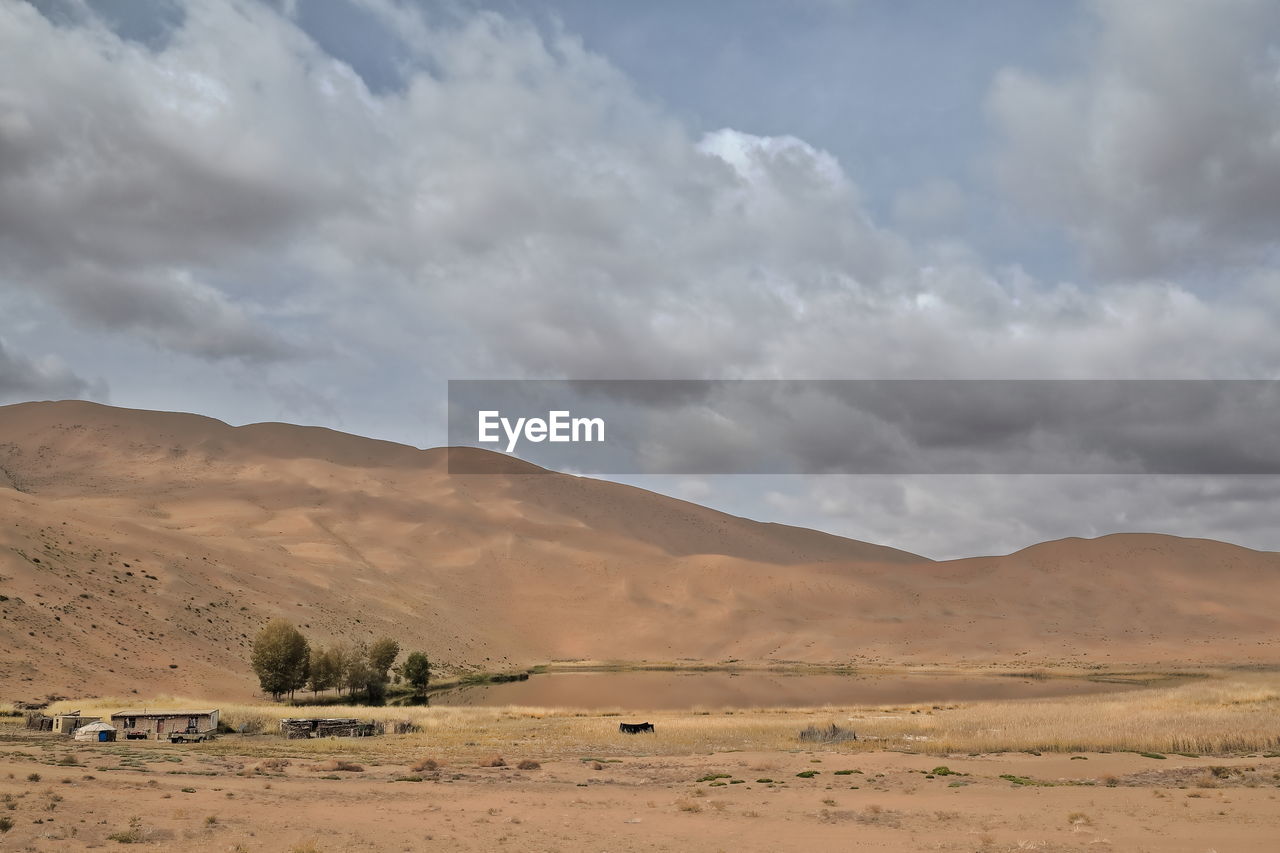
pixel 635 728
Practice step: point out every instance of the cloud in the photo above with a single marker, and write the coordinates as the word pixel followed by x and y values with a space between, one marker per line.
pixel 515 208
pixel 1162 151
pixel 228 193
pixel 23 378
pixel 963 516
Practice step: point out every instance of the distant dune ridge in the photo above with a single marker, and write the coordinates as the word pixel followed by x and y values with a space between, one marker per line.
pixel 141 550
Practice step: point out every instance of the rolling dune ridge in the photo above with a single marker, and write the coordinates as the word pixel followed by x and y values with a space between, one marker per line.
pixel 141 550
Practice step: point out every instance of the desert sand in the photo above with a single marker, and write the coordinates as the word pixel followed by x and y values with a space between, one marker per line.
pixel 172 798
pixel 140 551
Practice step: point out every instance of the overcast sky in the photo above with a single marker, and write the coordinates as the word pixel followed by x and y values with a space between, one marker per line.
pixel 318 212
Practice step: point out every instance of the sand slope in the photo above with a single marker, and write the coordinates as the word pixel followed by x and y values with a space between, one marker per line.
pixel 141 550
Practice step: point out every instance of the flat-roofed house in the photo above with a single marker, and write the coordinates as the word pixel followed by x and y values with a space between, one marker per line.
pixel 65 724
pixel 160 725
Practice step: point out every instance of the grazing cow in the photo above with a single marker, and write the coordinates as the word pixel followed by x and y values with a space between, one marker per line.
pixel 635 728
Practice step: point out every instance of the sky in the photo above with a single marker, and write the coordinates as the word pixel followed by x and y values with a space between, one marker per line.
pixel 319 212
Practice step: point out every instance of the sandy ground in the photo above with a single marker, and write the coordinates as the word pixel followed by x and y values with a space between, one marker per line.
pixel 192 799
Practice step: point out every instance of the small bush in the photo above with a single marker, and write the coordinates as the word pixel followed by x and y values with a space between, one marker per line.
pixel 426 764
pixel 33 777
pixel 135 834
pixel 6 823
pixel 711 777
pixel 528 764
pixel 493 761
pixel 807 774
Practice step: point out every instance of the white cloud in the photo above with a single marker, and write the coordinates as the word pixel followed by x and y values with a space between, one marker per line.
pixel 237 196
pixel 1162 152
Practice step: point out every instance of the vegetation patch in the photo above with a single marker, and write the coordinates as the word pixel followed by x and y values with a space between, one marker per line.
pixel 830 733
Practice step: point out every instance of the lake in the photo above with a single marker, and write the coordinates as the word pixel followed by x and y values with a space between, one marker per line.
pixel 694 690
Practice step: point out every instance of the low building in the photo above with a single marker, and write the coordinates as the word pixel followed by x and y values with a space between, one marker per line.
pixel 65 724
pixel 98 732
pixel 296 728
pixel 159 725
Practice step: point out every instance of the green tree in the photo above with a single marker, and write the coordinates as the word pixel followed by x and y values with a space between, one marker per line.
pixel 326 670
pixel 340 656
pixel 355 668
pixel 281 658
pixel 416 670
pixel 382 654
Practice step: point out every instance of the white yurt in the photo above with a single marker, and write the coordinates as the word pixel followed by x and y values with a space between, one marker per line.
pixel 99 732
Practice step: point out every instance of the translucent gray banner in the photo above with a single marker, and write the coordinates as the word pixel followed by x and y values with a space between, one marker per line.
pixel 705 427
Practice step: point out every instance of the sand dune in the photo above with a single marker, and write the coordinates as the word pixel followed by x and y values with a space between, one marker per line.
pixel 141 550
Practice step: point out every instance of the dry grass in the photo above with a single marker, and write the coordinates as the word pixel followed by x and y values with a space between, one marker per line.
pixel 1226 714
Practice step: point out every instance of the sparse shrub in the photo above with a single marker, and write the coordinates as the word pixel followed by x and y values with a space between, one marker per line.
pixel 1079 819
pixel 688 806
pixel 426 764
pixel 827 734
pixel 335 764
pixel 33 777
pixel 1207 780
pixel 528 764
pixel 248 723
pixel 211 820
pixel 135 834
pixel 806 774
pixel 6 823
pixel 711 777
pixel 493 761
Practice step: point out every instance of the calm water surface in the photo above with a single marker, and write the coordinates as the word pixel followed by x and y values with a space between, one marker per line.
pixel 724 690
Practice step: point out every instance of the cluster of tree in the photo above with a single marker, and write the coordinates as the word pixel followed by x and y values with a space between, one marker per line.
pixel 285 662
